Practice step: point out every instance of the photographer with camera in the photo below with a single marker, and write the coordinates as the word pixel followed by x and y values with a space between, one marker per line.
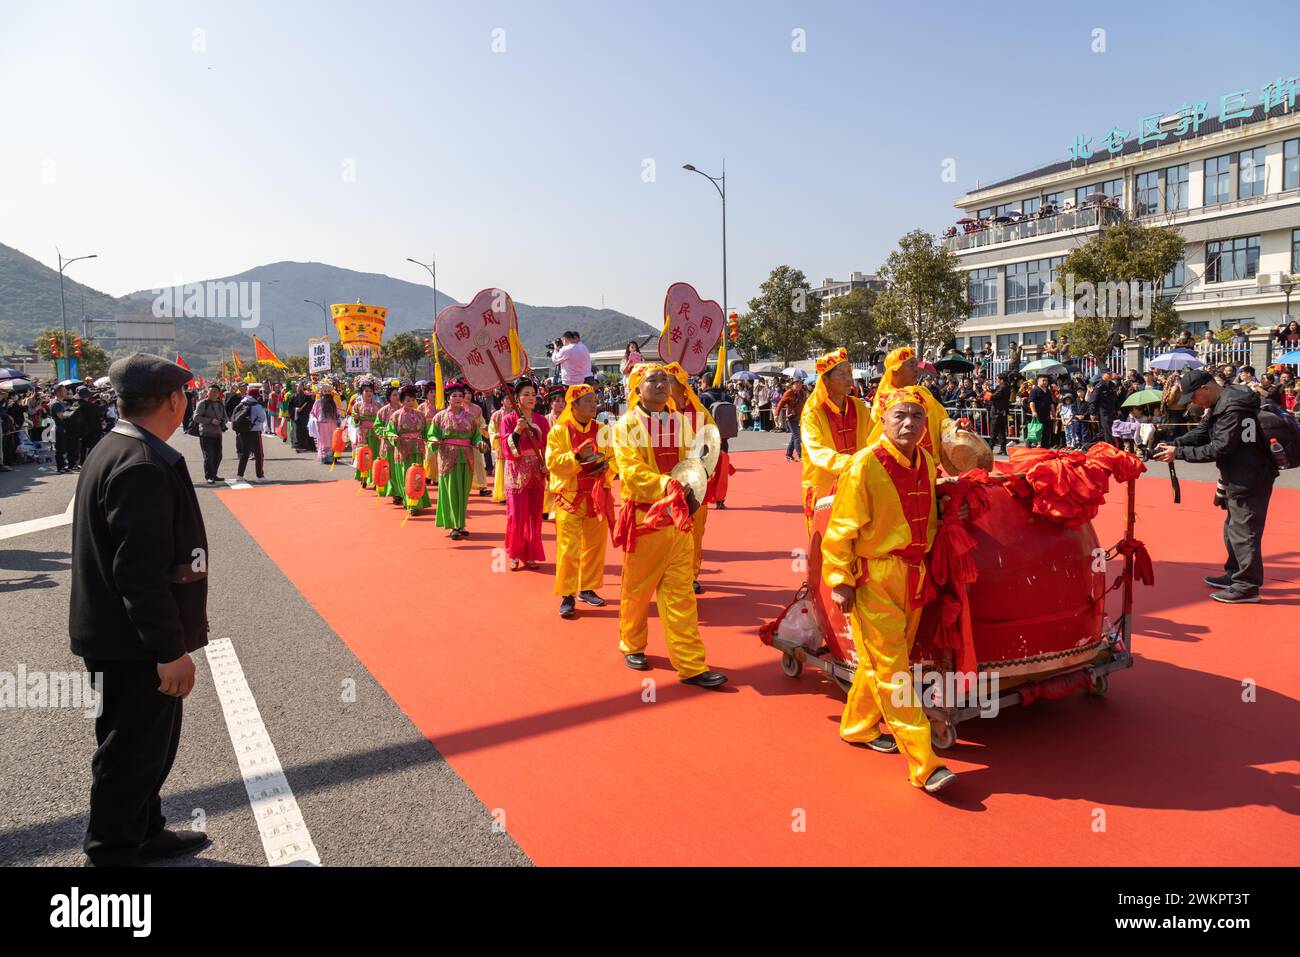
pixel 572 359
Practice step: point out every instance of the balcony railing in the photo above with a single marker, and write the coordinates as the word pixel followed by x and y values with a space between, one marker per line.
pixel 1031 228
pixel 1231 292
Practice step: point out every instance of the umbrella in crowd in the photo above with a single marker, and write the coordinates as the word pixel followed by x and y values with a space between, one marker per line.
pixel 9 373
pixel 70 384
pixel 1045 367
pixel 1291 358
pixel 955 362
pixel 1172 361
pixel 1143 397
pixel 794 373
pixel 744 375
pixel 102 382
pixel 923 366
pixel 15 385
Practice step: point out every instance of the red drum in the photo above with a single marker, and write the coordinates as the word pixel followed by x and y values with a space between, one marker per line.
pixel 1035 609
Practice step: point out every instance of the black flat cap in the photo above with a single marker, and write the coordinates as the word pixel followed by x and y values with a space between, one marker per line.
pixel 146 376
pixel 1189 382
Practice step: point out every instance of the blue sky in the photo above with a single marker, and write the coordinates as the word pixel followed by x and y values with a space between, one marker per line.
pixel 362 133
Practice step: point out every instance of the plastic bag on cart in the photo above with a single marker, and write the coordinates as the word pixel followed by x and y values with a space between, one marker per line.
pixel 799 625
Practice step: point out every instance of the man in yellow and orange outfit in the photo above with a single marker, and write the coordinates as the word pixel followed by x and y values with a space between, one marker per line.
pixel 901 373
pixel 694 415
pixel 654 530
pixel 581 483
pixel 882 525
pixel 835 425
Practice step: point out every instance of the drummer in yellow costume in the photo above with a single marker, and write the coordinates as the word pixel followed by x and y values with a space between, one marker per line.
pixel 882 526
pixel 901 373
pixel 648 442
pixel 835 425
pixel 694 415
pixel 582 485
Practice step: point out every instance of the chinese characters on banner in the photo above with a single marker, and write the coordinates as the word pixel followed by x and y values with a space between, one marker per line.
pixel 318 354
pixel 692 328
pixel 358 361
pixel 1188 119
pixel 478 336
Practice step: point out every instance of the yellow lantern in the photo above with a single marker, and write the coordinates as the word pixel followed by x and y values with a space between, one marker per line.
pixel 360 326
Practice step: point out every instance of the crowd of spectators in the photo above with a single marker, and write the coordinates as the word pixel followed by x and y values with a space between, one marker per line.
pixel 63 421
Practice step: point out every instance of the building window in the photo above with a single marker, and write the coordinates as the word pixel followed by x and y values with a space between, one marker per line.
pixel 1291 164
pixel 1217 179
pixel 1114 189
pixel 978 342
pixel 1031 205
pixel 1176 187
pixel 1197 329
pixel 1005 341
pixel 1028 284
pixel 1035 338
pixel 1148 193
pixel 983 292
pixel 1176 277
pixel 1081 193
pixel 1250 173
pixel 1005 209
pixel 1230 259
pixel 985 213
pixel 1055 199
pixel 1295 250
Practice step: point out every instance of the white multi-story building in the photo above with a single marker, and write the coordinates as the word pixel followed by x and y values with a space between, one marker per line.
pixel 831 289
pixel 1232 189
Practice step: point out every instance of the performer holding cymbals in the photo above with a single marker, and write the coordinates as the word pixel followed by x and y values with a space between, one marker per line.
pixel 696 418
pixel 835 425
pixel 654 528
pixel 581 484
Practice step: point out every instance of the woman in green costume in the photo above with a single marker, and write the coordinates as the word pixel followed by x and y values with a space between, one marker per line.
pixel 454 435
pixel 406 439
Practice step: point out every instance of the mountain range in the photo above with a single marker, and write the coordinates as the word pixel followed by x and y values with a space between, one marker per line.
pixel 29 302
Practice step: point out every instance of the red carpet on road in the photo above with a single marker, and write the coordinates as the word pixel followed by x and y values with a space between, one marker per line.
pixel 545 723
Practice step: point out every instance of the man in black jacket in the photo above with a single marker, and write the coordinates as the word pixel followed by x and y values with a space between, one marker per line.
pixel 999 407
pixel 138 609
pixel 1105 405
pixel 1230 436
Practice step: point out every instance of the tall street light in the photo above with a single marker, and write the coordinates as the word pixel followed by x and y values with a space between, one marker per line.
pixel 324 311
pixel 720 184
pixel 432 267
pixel 63 308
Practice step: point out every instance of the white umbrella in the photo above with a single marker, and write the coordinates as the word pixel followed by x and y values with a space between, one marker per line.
pixel 794 373
pixel 102 382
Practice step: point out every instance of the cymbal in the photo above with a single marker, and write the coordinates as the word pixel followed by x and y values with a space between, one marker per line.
pixel 707 447
pixel 966 450
pixel 690 474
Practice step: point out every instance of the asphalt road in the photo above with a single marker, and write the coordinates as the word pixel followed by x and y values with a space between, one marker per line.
pixel 372 790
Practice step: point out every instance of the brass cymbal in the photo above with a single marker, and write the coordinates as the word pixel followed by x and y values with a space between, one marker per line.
pixel 690 474
pixel 707 447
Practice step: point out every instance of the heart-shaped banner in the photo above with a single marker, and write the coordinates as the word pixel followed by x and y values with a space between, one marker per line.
pixel 692 327
pixel 479 334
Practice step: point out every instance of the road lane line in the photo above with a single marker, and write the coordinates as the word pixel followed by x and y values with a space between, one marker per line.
pixel 284 833
pixel 38 524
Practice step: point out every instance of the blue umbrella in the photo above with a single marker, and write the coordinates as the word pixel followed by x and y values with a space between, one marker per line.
pixel 1172 361
pixel 744 375
pixel 1291 358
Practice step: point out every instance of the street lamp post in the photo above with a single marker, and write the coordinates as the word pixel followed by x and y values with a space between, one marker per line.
pixel 720 184
pixel 63 308
pixel 432 267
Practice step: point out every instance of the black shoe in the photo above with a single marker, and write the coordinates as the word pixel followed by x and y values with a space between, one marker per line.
pixel 637 662
pixel 722 505
pixel 1223 581
pixel 173 844
pixel 695 587
pixel 483 491
pixel 463 533
pixel 885 744
pixel 706 679
pixel 591 598
pixel 939 779
pixel 1232 597
pixel 217 478
pixel 567 607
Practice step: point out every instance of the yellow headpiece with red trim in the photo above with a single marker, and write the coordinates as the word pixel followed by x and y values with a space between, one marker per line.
pixel 893 362
pixel 683 378
pixel 909 393
pixel 824 365
pixel 634 379
pixel 572 395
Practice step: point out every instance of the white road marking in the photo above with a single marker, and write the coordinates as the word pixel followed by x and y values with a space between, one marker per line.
pixel 38 524
pixel 238 483
pixel 284 833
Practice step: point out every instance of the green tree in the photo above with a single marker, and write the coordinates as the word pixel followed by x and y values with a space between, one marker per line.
pixel 94 361
pixel 1107 269
pixel 852 324
pixel 404 354
pixel 924 300
pixel 785 314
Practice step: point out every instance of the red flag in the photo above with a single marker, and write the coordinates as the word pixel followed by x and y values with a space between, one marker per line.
pixel 264 354
pixel 186 366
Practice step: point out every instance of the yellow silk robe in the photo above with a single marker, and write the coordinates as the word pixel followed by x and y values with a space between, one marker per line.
pixel 579 536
